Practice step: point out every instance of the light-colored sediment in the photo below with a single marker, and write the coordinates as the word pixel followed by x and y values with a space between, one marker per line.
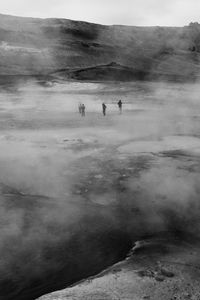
pixel 169 143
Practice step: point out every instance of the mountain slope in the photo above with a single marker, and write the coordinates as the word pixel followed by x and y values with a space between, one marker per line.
pixel 30 46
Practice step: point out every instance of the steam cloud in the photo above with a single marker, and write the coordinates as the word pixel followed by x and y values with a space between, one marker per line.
pixel 76 193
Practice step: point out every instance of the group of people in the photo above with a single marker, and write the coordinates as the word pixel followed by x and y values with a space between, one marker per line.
pixel 81 108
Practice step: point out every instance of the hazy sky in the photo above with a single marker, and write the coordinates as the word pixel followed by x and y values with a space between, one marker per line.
pixel 130 12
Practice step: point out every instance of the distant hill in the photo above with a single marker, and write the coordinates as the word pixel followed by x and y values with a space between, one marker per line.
pixel 84 51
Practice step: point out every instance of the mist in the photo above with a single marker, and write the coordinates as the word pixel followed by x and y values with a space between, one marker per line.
pixel 76 193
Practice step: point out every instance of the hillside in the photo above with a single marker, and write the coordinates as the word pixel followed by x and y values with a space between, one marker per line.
pixel 85 51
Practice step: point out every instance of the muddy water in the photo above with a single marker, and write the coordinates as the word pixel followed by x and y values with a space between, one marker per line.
pixel 75 193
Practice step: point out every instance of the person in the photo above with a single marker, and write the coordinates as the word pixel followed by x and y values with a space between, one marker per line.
pixel 83 110
pixel 104 108
pixel 80 108
pixel 120 106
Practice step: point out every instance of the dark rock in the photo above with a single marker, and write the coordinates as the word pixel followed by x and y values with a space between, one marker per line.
pixel 166 273
pixel 159 277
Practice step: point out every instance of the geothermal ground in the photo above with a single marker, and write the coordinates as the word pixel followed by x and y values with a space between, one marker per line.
pixel 78 193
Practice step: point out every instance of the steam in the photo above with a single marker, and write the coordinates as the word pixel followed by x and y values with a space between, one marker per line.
pixel 68 184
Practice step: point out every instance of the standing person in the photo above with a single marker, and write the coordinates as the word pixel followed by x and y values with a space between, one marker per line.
pixel 104 108
pixel 83 110
pixel 120 106
pixel 80 108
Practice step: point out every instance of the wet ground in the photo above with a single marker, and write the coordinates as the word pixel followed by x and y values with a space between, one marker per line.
pixel 76 193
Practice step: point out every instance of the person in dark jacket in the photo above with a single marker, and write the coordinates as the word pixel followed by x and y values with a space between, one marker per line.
pixel 120 106
pixel 104 108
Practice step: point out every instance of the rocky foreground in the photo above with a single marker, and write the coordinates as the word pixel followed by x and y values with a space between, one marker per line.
pixel 159 270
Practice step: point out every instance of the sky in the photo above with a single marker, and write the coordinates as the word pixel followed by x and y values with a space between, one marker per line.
pixel 125 12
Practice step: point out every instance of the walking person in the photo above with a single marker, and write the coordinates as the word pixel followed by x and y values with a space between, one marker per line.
pixel 120 106
pixel 80 108
pixel 83 110
pixel 104 108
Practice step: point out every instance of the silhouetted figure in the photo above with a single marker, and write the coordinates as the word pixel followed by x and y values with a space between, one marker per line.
pixel 83 110
pixel 120 106
pixel 80 108
pixel 104 108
